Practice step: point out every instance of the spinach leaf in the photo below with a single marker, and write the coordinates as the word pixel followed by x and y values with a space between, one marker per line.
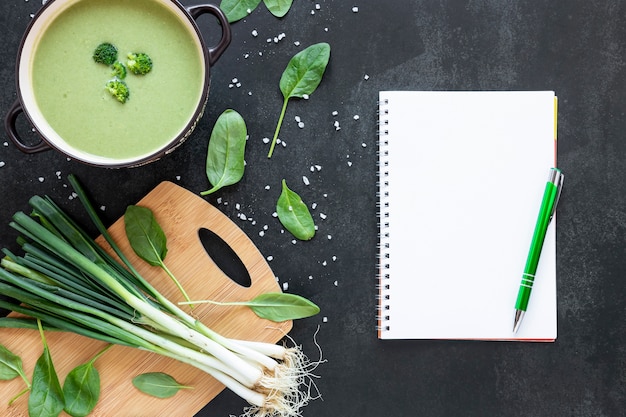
pixel 278 306
pixel 10 368
pixel 294 214
pixel 274 306
pixel 238 9
pixel 157 384
pixel 145 234
pixel 148 240
pixel 46 395
pixel 301 77
pixel 81 388
pixel 278 8
pixel 225 162
pixel 10 365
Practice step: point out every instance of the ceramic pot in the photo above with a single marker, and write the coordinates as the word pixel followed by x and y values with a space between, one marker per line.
pixel 27 103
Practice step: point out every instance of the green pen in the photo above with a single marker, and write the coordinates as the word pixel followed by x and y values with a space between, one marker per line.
pixel 546 212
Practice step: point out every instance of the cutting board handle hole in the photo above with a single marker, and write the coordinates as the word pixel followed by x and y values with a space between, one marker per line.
pixel 224 257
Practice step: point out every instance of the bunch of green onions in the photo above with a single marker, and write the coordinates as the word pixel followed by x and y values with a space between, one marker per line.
pixel 71 284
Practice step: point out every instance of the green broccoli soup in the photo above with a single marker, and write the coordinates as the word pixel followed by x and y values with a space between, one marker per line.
pixel 71 88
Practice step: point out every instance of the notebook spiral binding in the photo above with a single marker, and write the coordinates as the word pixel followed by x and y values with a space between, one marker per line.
pixel 383 287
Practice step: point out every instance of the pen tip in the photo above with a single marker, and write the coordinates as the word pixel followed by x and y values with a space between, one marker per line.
pixel 519 314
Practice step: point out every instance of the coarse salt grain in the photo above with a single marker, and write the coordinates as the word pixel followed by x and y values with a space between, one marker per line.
pixel 305 180
pixel 355 9
pixel 323 216
pixel 270 258
pixel 335 113
pixel 2 163
pixel 255 33
pixel 356 117
pixel 266 140
pixel 285 286
pixel 41 179
pixel 261 233
pixel 325 319
pixel 366 77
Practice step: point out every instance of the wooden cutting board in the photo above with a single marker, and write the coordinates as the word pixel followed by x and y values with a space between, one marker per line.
pixel 181 214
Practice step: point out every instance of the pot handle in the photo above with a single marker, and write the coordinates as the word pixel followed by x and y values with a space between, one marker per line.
pixel 216 51
pixel 11 130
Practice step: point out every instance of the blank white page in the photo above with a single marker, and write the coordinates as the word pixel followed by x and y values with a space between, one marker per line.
pixel 464 173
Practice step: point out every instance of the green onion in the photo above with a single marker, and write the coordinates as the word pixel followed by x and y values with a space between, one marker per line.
pixel 69 283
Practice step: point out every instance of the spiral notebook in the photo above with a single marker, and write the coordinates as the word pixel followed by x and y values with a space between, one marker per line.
pixel 461 177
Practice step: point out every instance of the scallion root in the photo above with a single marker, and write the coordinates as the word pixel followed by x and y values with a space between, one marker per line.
pixel 290 387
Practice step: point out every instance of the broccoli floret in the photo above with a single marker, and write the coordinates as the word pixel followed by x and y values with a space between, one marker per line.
pixel 139 63
pixel 118 70
pixel 118 89
pixel 105 53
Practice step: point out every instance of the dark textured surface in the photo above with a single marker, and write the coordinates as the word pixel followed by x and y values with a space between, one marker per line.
pixel 575 48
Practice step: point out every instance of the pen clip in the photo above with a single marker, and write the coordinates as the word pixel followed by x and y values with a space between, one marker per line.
pixel 558 181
